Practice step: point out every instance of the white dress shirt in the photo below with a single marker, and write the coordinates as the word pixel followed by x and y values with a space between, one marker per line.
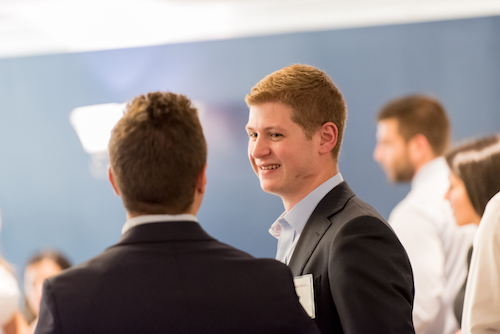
pixel 436 246
pixel 482 295
pixel 288 227
pixel 9 295
pixel 146 219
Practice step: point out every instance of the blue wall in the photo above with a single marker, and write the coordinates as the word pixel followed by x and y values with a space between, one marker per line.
pixel 49 198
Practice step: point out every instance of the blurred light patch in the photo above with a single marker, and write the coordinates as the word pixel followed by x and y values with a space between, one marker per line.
pixel 93 125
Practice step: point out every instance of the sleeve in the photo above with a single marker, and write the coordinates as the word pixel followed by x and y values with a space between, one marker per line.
pixel 370 279
pixel 48 322
pixel 482 295
pixel 419 235
pixel 9 295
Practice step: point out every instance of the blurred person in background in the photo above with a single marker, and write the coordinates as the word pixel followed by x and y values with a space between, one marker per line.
pixel 413 132
pixel 42 265
pixel 11 321
pixel 482 295
pixel 474 180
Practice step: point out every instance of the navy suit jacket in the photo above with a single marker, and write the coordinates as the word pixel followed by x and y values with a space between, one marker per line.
pixel 362 275
pixel 172 277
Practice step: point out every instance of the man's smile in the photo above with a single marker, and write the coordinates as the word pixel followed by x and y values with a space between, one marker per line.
pixel 269 167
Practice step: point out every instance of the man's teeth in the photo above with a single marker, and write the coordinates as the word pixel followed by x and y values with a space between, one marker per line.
pixel 270 167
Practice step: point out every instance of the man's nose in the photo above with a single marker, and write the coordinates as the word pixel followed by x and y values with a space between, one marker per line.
pixel 260 148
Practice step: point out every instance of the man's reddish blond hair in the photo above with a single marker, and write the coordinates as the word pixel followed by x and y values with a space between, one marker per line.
pixel 310 93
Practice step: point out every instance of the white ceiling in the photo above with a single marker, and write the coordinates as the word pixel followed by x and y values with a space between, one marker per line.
pixel 32 27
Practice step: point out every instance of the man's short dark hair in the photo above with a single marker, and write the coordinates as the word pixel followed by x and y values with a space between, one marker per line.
pixel 420 114
pixel 157 151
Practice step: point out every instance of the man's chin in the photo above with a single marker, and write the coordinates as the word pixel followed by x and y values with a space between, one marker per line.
pixel 402 178
pixel 269 188
pixel 389 177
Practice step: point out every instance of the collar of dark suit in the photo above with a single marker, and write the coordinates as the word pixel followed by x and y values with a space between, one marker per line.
pixel 165 231
pixel 318 224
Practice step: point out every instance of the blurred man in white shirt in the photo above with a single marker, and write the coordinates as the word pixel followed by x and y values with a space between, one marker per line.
pixel 412 134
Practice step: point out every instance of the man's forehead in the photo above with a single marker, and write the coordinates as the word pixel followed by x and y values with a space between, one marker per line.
pixel 381 129
pixel 269 114
pixel 387 127
pixel 257 120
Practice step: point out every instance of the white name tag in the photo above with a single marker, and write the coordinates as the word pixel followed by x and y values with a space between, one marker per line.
pixel 305 291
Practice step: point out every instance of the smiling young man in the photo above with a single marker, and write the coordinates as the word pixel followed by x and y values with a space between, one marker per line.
pixel 412 133
pixel 357 273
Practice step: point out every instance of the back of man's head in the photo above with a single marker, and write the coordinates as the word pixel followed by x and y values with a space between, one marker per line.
pixel 157 151
pixel 310 93
pixel 420 114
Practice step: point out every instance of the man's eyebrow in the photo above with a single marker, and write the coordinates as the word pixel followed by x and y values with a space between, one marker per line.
pixel 269 128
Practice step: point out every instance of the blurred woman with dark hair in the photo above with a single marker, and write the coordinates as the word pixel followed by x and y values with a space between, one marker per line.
pixel 474 180
pixel 40 266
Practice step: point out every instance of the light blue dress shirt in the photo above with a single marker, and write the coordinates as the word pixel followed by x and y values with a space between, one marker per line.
pixel 288 227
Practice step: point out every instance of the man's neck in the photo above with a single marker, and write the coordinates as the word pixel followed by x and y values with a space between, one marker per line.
pixel 290 200
pixel 131 215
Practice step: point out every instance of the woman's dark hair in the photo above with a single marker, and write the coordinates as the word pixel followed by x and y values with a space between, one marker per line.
pixel 477 164
pixel 47 254
pixel 50 254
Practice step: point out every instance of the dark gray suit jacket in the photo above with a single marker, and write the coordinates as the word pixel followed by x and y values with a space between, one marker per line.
pixel 172 277
pixel 362 276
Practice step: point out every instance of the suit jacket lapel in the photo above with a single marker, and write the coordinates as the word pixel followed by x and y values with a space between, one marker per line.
pixel 317 225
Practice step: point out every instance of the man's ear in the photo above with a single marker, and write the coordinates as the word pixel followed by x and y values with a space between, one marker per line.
pixel 328 137
pixel 112 181
pixel 201 183
pixel 420 149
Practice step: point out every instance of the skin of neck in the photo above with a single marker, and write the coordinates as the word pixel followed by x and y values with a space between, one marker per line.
pixel 328 169
pixel 477 221
pixel 193 209
pixel 421 151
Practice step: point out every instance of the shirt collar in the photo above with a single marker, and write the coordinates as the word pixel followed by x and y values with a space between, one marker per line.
pixel 146 219
pixel 298 216
pixel 434 170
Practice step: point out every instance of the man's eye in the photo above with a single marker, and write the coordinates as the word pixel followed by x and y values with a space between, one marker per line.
pixel 276 135
pixel 252 135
